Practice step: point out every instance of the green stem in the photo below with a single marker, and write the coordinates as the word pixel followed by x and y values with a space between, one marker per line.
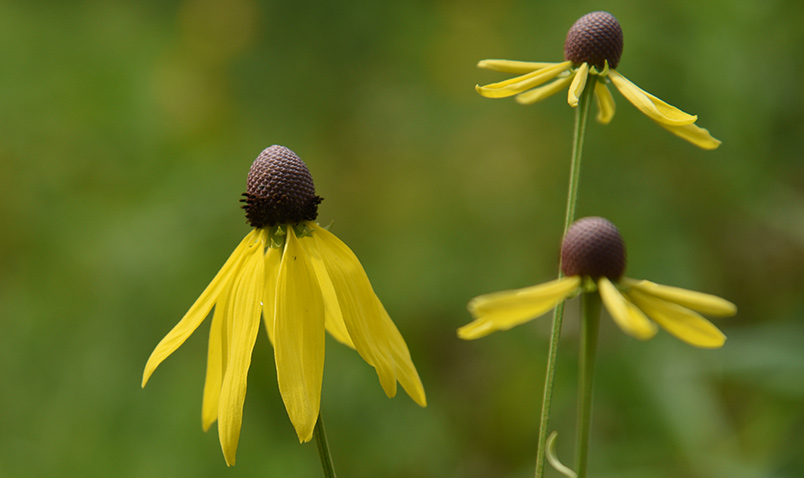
pixel 323 448
pixel 590 318
pixel 581 121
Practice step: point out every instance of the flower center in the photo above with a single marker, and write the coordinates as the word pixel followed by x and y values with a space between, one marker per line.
pixel 595 38
pixel 279 190
pixel 593 247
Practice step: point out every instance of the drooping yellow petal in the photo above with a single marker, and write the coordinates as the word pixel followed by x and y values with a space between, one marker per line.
pixel 299 338
pixel 506 309
pixel 698 301
pixel 605 103
pixel 332 310
pixel 630 319
pixel 578 84
pixel 244 324
pixel 358 307
pixel 698 136
pixel 199 310
pixel 513 66
pixel 681 322
pixel 542 92
pixel 650 105
pixel 378 324
pixel 272 259
pixel 405 370
pixel 217 355
pixel 519 84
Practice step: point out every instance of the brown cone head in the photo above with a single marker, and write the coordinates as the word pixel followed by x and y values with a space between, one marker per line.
pixel 595 38
pixel 593 247
pixel 279 190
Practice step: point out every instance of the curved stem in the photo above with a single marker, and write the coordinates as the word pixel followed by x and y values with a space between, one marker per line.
pixel 581 121
pixel 323 448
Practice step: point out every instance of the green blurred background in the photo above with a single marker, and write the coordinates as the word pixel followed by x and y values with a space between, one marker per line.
pixel 126 133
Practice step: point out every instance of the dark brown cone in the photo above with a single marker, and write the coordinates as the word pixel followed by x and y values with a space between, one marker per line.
pixel 593 247
pixel 279 190
pixel 595 38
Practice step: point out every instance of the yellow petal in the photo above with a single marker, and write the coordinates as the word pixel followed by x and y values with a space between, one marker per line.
pixel 630 319
pixel 683 323
pixel 506 309
pixel 299 338
pixel 519 84
pixel 333 319
pixel 698 301
pixel 199 310
pixel 272 259
pixel 650 105
pixel 244 324
pixel 405 370
pixel 578 84
pixel 698 136
pixel 605 103
pixel 217 355
pixel 358 307
pixel 542 92
pixel 513 66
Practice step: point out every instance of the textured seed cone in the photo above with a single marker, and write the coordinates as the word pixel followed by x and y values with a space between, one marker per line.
pixel 593 247
pixel 279 189
pixel 595 38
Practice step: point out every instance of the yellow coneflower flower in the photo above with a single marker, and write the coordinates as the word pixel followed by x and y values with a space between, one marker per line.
pixel 302 280
pixel 592 53
pixel 593 259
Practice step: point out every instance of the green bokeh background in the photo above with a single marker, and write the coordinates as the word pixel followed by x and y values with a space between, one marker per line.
pixel 127 130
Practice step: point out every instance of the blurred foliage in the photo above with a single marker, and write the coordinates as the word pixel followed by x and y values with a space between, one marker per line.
pixel 127 132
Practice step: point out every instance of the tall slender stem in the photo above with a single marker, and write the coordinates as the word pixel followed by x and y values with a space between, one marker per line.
pixel 323 448
pixel 579 137
pixel 590 318
pixel 581 121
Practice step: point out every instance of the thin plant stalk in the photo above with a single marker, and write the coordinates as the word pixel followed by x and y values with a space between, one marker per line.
pixel 323 448
pixel 581 121
pixel 590 320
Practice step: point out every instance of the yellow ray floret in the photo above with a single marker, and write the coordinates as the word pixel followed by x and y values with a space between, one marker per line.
pixel 299 337
pixel 516 67
pixel 507 309
pixel 651 106
pixel 630 319
pixel 683 323
pixel 542 92
pixel 605 103
pixel 199 310
pixel 521 83
pixel 217 355
pixel 698 301
pixel 374 335
pixel 578 84
pixel 244 324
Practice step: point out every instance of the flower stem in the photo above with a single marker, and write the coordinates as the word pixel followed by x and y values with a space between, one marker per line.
pixel 581 121
pixel 323 448
pixel 579 137
pixel 590 318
